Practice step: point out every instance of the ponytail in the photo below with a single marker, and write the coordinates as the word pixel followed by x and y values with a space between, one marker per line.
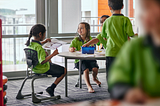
pixel 35 30
pixel 29 38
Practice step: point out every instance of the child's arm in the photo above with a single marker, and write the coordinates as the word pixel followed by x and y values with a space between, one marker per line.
pixel 46 40
pixel 93 41
pixel 129 29
pixel 48 58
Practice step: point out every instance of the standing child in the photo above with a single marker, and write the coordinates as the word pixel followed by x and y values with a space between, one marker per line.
pixel 135 74
pixel 38 31
pixel 87 65
pixel 116 30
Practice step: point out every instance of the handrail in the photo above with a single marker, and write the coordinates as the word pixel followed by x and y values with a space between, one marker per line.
pixel 58 36
pixel 17 24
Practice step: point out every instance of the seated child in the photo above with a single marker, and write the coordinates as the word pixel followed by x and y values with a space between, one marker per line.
pixel 135 74
pixel 103 41
pixel 38 31
pixel 87 65
pixel 116 30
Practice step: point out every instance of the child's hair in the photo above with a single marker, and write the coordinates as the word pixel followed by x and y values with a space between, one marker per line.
pixel 115 4
pixel 107 16
pixel 35 30
pixel 87 26
pixel 103 16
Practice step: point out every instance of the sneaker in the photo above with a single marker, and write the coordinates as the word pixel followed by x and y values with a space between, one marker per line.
pixel 50 91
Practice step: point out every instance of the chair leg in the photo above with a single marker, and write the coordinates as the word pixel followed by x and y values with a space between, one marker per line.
pixel 19 95
pixel 77 83
pixel 37 100
pixel 34 98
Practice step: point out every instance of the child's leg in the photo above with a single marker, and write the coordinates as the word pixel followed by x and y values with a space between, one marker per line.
pixel 87 81
pixel 61 77
pixel 55 71
pixel 94 67
pixel 95 72
pixel 109 61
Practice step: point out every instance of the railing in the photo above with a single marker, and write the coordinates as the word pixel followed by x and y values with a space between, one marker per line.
pixel 12 45
pixel 12 50
pixel 94 23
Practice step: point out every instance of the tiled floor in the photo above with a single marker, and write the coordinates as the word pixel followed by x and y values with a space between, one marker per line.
pixel 74 94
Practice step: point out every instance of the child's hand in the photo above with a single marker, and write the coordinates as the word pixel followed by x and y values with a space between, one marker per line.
pixel 72 49
pixel 85 45
pixel 135 95
pixel 47 40
pixel 56 52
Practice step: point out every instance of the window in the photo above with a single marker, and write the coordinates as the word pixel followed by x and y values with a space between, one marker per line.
pixel 14 16
pixel 17 18
pixel 72 12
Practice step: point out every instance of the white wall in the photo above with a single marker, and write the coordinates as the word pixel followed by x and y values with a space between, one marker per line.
pixel 69 15
pixel 138 23
pixel 90 5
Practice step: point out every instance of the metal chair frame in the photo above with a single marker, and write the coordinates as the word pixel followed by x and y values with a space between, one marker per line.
pixel 33 76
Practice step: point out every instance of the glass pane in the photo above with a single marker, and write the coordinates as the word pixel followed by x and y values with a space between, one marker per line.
pixel 90 11
pixel 13 55
pixel 15 30
pixel 17 19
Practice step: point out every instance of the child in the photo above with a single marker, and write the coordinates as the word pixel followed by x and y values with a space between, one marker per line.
pixel 103 18
pixel 87 65
pixel 135 75
pixel 103 41
pixel 116 30
pixel 38 31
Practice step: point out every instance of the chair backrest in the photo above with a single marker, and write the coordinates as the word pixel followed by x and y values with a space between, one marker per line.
pixel 31 57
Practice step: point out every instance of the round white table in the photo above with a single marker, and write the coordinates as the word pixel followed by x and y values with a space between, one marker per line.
pixel 80 56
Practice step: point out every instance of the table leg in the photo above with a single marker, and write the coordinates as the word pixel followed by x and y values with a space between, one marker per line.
pixel 80 76
pixel 66 86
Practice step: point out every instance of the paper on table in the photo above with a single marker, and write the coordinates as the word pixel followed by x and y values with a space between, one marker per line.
pixel 55 43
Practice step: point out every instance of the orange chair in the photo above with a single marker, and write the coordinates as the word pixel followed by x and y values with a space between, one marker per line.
pixel 5 79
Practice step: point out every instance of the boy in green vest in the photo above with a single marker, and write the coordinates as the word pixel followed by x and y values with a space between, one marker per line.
pixel 135 74
pixel 115 31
